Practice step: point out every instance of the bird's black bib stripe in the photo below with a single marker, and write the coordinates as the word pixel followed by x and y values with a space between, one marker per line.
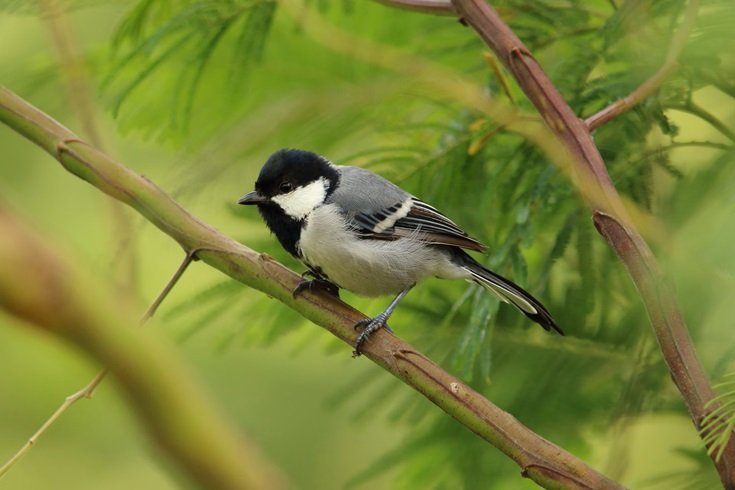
pixel 286 229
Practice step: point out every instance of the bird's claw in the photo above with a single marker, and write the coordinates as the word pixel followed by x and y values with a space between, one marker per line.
pixel 318 283
pixel 367 327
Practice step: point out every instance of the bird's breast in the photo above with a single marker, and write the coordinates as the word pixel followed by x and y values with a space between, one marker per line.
pixel 364 266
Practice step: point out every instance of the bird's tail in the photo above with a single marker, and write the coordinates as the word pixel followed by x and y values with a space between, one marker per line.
pixel 508 292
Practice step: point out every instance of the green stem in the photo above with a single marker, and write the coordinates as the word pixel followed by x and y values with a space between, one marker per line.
pixel 40 286
pixel 696 110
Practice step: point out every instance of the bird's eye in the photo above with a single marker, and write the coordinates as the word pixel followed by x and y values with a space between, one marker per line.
pixel 285 187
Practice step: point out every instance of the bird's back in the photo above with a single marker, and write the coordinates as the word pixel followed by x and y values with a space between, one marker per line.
pixel 362 191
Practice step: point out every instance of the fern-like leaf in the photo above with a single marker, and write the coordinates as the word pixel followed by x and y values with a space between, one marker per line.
pixel 719 424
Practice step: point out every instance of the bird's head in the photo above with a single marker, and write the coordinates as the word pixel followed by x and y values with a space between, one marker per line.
pixel 296 181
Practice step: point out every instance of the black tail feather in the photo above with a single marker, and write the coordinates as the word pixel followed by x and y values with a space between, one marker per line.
pixel 508 292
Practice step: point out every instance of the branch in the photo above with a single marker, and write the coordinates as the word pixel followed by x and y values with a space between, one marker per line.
pixel 539 459
pixel 610 217
pixel 691 108
pixel 43 288
pixel 88 391
pixel 437 7
pixel 662 150
pixel 76 82
pixel 70 400
pixel 669 66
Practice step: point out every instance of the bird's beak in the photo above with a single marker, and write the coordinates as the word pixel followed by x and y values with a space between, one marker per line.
pixel 254 197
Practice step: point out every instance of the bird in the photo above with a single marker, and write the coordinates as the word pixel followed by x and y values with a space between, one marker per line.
pixel 357 231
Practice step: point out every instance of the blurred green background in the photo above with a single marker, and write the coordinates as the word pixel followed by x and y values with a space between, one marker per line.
pixel 196 94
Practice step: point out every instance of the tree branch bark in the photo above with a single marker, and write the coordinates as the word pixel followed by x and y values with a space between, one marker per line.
pixel 539 459
pixel 609 215
pixel 88 391
pixel 40 286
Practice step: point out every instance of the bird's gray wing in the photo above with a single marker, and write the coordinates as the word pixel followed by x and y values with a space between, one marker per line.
pixel 378 209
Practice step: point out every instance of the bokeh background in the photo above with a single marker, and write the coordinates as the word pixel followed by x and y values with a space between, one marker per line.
pixel 196 94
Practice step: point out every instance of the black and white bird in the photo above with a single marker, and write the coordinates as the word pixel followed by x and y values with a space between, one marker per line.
pixel 355 230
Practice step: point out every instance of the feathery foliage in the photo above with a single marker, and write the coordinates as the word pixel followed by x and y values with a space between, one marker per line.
pixel 719 424
pixel 537 229
pixel 172 44
pixel 228 81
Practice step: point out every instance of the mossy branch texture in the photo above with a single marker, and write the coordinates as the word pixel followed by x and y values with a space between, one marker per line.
pixel 540 460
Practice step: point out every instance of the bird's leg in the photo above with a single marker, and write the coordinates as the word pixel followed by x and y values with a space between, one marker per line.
pixel 370 325
pixel 319 282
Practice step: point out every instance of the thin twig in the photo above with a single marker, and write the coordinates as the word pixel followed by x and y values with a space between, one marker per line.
pixel 88 391
pixel 724 86
pixel 691 108
pixel 72 68
pixel 60 297
pixel 669 66
pixel 153 308
pixel 437 7
pixel 85 392
pixel 494 66
pixel 646 155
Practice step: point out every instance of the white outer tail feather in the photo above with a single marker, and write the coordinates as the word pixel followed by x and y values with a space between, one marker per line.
pixel 504 292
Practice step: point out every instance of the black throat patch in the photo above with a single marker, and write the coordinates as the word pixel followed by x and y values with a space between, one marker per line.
pixel 286 228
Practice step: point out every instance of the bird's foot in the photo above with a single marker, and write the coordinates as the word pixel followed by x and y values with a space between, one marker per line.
pixel 317 283
pixel 367 327
pixel 309 273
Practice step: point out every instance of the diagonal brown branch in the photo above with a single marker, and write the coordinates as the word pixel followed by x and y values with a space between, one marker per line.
pixel 610 218
pixel 540 460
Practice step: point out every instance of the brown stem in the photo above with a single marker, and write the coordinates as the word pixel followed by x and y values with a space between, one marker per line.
pixel 542 93
pixel 610 218
pixel 539 459
pixel 669 66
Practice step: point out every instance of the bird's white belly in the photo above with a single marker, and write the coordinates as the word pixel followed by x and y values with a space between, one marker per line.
pixel 364 266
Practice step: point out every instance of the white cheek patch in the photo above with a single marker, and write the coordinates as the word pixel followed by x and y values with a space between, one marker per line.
pixel 301 201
